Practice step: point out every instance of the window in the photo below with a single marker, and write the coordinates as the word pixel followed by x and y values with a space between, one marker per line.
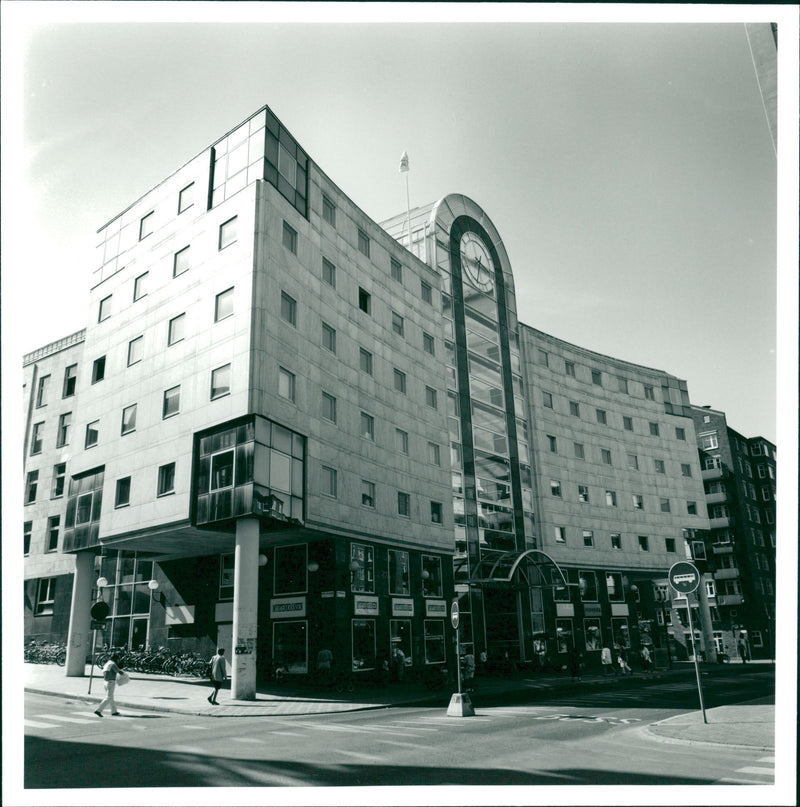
pixel 627 423
pixel 428 343
pixel 166 479
pixel 367 493
pixel 588 538
pixel 176 329
pixel 31 484
pixel 560 535
pixel 709 441
pixel 638 501
pixel 398 325
pixel 59 477
pixel 186 198
pixel 680 433
pixel 654 429
pixel 286 384
pixel 328 211
pixel 146 225
pixel 569 368
pixel 92 434
pixel 649 393
pixel 431 398
pixel 616 541
pixel 365 361
pixel 397 270
pixel 172 402
pixel 644 543
pixel 601 417
pixel 122 496
pixel 140 286
pixel 622 385
pixel 578 448
pixel 36 438
pixel 401 441
pixel 691 508
pixel 659 466
pixel 363 242
pixel 70 379
pixel 669 544
pixel 555 488
pixel 611 498
pixel 220 381
pixel 686 469
pixel 290 238
pixel 99 369
pixel 434 454
pixel 597 378
pixel 104 309
pixel 64 422
pixel 41 395
pixel 180 263
pixel 288 309
pixel 27 529
pixel 633 462
pixel 403 504
pixel 367 427
pixel 547 400
pixel 436 512
pixel 583 493
pixel 329 407
pixel 227 232
pixel 544 359
pixel 575 409
pixel 426 292
pixel 135 350
pixel 665 506
pixel 364 300
pixel 128 419
pixel 330 482
pixel 605 455
pixel 431 577
pixel 45 596
pixel 223 305
pixel 328 272
pixel 553 443
pixel 328 337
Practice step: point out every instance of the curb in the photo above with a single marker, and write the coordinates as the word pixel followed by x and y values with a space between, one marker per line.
pixel 683 741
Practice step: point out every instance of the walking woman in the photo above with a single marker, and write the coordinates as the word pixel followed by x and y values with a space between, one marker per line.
pixel 219 674
pixel 110 672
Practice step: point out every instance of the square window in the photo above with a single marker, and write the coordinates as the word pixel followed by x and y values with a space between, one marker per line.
pixel 328 272
pixel 434 454
pixel 611 498
pixel 146 225
pixel 64 422
pixel 436 512
pixel 669 544
pixel 544 359
pixel 122 496
pixel 176 329
pixel 400 381
pixel 166 479
pixel 92 434
pixel 403 504
pixel 398 325
pixel 286 382
pixel 547 400
pixel 330 482
pixel 569 368
pixel 365 361
pixel 644 543
pixel 396 269
pixel 223 305
pixel 627 423
pixel 574 409
pixel 31 485
pixel 616 540
pixel 172 402
pixel 36 438
pixel 553 443
pixel 288 309
pixel 99 369
pixel 638 501
pixel 622 384
pixel 560 535
pixel 649 393
pixel 426 292
pixel 601 417
pixel 364 300
pixel 367 493
pixel 135 350
pixel 180 262
pixel 583 493
pixel 59 477
pixel 140 286
pixel 578 448
pixel 654 429
pixel 680 433
pixel 605 453
pixel 659 466
pixel 401 441
pixel 633 462
pixel 597 378
pixel 363 242
pixel 691 508
pixel 665 505
pixel 328 211
pixel 220 382
pixel 427 343
pixel 431 398
pixel 686 469
pixel 70 380
pixel 227 232
pixel 328 337
pixel 555 488
pixel 367 427
pixel 129 419
pixel 290 238
pixel 588 538
pixel 104 309
pixel 329 407
pixel 186 198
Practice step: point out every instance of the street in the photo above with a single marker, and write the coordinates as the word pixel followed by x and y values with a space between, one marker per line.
pixel 583 738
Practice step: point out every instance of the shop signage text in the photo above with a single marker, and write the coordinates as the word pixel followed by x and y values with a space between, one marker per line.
pixel 286 607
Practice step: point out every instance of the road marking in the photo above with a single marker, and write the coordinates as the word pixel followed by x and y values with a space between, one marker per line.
pixel 69 719
pixel 357 755
pixel 402 745
pixel 34 724
pixel 288 733
pixel 196 728
pixel 473 719
pixel 402 723
pixel 767 759
pixel 758 771
pixel 246 740
pixel 185 749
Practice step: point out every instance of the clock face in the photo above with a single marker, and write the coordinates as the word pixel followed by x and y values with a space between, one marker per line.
pixel 476 262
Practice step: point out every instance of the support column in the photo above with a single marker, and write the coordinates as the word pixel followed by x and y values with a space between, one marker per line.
pixel 705 619
pixel 245 610
pixel 79 637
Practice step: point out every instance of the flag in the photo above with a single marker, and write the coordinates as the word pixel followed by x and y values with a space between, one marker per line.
pixel 404 162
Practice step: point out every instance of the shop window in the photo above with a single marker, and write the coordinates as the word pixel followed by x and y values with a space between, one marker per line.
pixel 399 582
pixel 564 637
pixel 434 641
pixel 431 576
pixel 291 572
pixel 620 635
pixel 290 646
pixel 363 638
pixel 593 636
pixel 400 638
pixel 362 568
pixel 614 587
pixel 587 580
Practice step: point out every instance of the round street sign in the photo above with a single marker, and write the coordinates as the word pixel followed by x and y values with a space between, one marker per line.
pixel 100 610
pixel 454 614
pixel 684 577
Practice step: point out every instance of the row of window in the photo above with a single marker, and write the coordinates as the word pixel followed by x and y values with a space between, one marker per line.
pixel 50 538
pixel 643 542
pixel 67 388
pixel 583 495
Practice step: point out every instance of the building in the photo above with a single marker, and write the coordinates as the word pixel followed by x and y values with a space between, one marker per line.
pixel 738 552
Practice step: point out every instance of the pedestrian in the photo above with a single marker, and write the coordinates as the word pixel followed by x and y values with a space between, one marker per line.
pixel 743 654
pixel 574 663
pixel 219 674
pixel 111 670
pixel 622 661
pixel 324 666
pixel 399 663
pixel 647 662
pixel 606 661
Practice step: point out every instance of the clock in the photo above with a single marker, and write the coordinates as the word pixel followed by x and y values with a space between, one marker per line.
pixel 476 262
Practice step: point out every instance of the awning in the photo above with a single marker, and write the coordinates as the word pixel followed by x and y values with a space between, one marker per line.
pixel 537 567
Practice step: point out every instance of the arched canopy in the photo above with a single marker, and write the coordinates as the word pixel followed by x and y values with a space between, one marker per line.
pixel 502 567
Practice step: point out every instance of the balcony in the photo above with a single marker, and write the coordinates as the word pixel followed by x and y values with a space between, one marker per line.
pixel 719 523
pixel 730 599
pixel 722 549
pixel 717 498
pixel 726 574
pixel 712 473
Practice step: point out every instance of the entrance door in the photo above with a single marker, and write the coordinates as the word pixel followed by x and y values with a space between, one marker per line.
pixel 501 612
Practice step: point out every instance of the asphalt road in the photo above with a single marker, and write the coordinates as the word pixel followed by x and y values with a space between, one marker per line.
pixel 592 738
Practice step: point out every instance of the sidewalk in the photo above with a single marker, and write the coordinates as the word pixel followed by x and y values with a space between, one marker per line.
pixel 748 725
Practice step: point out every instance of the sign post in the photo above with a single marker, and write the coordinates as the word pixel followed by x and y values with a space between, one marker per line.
pixel 460 704
pixel 99 612
pixel 685 578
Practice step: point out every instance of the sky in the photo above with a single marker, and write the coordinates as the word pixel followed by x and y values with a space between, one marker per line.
pixel 628 167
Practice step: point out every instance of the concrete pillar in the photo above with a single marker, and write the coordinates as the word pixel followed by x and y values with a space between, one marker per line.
pixel 245 610
pixel 705 619
pixel 79 637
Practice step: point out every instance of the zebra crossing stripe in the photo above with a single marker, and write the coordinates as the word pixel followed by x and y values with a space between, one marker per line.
pixel 35 724
pixel 66 719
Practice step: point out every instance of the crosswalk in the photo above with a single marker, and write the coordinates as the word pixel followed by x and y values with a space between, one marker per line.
pixel 760 773
pixel 53 720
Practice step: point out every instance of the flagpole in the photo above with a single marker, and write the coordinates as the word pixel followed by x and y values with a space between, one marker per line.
pixel 404 170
